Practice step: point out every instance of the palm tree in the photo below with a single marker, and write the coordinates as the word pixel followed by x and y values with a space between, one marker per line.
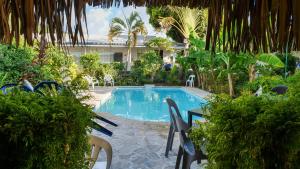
pixel 132 26
pixel 187 21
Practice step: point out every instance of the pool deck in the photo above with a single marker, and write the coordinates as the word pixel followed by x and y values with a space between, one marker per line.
pixel 138 144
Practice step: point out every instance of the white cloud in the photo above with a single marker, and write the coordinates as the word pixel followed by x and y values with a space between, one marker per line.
pixel 98 20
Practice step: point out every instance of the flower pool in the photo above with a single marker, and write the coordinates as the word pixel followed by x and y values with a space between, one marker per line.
pixel 148 103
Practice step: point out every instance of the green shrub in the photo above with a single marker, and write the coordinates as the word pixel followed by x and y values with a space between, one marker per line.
pixel 173 76
pixel 17 62
pixel 291 63
pixel 253 132
pixel 47 132
pixel 90 63
pixel 146 68
pixel 267 83
pixel 57 65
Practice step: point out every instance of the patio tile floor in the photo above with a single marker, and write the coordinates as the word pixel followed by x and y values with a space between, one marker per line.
pixel 140 145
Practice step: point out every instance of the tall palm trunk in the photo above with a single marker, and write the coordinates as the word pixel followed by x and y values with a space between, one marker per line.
pixel 186 48
pixel 252 73
pixel 129 58
pixel 230 80
pixel 230 85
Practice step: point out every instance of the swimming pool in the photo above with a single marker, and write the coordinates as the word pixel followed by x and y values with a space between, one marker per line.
pixel 148 104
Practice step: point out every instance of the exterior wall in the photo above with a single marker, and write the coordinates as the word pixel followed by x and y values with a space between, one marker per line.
pixel 106 52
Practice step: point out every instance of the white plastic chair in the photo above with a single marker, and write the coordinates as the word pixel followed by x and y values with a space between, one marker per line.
pixel 97 144
pixel 92 81
pixel 190 81
pixel 108 79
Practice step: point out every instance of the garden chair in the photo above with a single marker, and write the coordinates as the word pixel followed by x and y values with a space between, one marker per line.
pixel 280 89
pixel 173 127
pixel 190 81
pixel 97 144
pixel 108 79
pixel 8 87
pixel 92 81
pixel 186 150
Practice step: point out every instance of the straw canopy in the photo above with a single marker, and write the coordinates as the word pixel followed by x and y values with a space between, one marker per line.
pixel 239 25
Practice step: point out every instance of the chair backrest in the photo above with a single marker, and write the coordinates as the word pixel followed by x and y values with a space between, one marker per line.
pixel 108 78
pixel 185 142
pixel 97 144
pixel 47 84
pixel 192 77
pixel 5 87
pixel 173 107
pixel 280 89
pixel 89 79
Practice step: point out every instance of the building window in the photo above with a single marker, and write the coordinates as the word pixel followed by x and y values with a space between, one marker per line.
pixel 106 57
pixel 118 57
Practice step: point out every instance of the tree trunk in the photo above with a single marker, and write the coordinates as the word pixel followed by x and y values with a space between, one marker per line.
pixel 252 73
pixel 203 80
pixel 129 58
pixel 230 85
pixel 230 81
pixel 186 48
pixel 198 78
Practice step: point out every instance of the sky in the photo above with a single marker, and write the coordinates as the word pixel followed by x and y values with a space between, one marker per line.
pixel 98 20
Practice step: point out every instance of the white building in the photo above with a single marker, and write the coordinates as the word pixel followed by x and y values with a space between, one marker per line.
pixel 117 50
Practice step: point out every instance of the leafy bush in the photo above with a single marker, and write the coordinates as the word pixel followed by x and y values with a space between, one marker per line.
pixel 252 132
pixel 291 63
pixel 90 63
pixel 267 83
pixel 57 65
pixel 47 132
pixel 172 77
pixel 147 67
pixel 17 62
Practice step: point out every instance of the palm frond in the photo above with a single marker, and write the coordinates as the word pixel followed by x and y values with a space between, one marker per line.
pixel 114 30
pixel 119 21
pixel 134 17
pixel 270 59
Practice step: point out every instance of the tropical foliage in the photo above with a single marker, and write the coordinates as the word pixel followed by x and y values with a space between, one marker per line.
pixel 235 69
pixel 90 63
pixel 147 67
pixel 43 131
pixel 57 65
pixel 17 63
pixel 186 20
pixel 131 26
pixel 160 43
pixel 252 132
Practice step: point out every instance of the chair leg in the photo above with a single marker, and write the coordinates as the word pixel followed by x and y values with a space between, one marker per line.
pixel 169 141
pixel 187 161
pixel 172 139
pixel 179 156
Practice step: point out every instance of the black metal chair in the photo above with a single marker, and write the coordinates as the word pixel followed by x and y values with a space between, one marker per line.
pixel 173 128
pixel 280 89
pixel 187 150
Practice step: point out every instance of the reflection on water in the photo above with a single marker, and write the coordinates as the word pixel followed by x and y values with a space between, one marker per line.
pixel 149 104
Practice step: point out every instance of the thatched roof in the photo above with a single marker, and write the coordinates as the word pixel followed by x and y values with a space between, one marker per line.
pixel 253 25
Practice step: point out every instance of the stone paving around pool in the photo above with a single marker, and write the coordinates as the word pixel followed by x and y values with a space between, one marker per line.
pixel 138 144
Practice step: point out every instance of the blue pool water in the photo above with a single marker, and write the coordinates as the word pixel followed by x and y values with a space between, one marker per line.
pixel 148 104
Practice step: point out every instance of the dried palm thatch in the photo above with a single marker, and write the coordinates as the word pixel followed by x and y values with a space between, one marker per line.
pixel 246 25
pixel 254 25
pixel 34 18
